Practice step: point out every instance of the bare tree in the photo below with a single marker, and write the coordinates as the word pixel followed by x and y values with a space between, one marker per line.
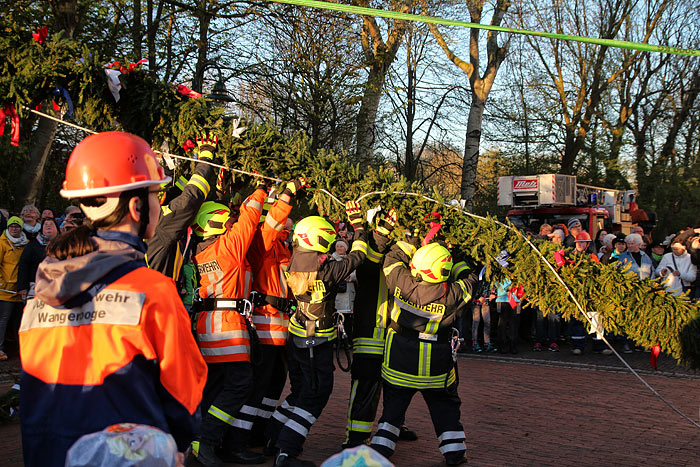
pixel 480 83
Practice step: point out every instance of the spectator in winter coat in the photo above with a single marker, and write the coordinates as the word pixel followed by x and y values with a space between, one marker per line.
pixel 677 269
pixel 575 228
pixel 344 300
pixel 557 236
pixel 33 254
pixel 619 247
pixel 658 250
pixel 12 242
pixel 641 263
pixel 30 215
pixel 606 246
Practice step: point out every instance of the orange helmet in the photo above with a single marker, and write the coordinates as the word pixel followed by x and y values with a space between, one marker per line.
pixel 583 237
pixel 109 163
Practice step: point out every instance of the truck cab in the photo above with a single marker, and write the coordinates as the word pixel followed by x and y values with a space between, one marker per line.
pixel 555 199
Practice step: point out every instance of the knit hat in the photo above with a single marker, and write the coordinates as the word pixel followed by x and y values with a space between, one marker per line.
pixel 573 222
pixel 619 239
pixel 15 220
pixel 340 242
pixel 557 233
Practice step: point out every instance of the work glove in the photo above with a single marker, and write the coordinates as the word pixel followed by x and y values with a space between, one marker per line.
pixel 206 145
pixel 294 186
pixel 386 222
pixel 352 208
pixel 262 183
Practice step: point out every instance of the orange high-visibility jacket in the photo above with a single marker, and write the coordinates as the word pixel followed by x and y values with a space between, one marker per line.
pixel 225 273
pixel 127 355
pixel 269 257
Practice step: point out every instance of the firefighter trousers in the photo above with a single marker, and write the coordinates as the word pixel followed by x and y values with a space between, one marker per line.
pixel 269 378
pixel 311 384
pixel 365 391
pixel 443 405
pixel 228 386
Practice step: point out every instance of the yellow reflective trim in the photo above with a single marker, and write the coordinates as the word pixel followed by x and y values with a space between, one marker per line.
pixel 166 210
pixel 387 270
pixel 359 245
pixel 181 182
pixel 458 268
pixel 359 425
pixel 466 296
pixel 381 317
pixel 407 248
pixel 201 183
pixel 387 347
pixel 432 326
pixel 398 378
pixel 374 256
pixel 353 390
pixel 221 415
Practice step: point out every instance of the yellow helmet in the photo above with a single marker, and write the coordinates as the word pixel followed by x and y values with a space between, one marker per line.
pixel 211 219
pixel 432 263
pixel 314 233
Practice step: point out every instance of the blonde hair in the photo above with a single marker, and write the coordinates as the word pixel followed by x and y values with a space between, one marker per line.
pixel 28 208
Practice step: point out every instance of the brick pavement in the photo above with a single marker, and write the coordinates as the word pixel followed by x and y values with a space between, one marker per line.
pixel 521 411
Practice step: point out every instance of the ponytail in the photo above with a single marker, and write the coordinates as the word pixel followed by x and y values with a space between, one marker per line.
pixel 80 241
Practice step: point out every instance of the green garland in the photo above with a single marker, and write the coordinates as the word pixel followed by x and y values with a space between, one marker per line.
pixel 150 108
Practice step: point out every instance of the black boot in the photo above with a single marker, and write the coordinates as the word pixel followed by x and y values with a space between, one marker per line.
pixel 407 435
pixel 206 455
pixel 454 460
pixel 241 456
pixel 284 460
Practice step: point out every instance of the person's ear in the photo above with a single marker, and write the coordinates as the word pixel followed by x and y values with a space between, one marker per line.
pixel 135 208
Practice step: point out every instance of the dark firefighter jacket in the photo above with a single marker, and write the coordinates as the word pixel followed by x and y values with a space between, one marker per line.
pixel 417 353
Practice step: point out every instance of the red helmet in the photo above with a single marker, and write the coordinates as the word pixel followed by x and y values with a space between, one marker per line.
pixel 109 163
pixel 583 237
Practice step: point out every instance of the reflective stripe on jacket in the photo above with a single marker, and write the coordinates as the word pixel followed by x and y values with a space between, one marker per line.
pixel 420 355
pixel 372 301
pixel 269 258
pixel 225 273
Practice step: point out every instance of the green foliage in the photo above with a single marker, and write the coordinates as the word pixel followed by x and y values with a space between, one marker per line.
pixel 153 109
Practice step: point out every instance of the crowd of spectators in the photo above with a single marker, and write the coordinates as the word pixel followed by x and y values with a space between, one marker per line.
pixel 673 260
pixel 22 247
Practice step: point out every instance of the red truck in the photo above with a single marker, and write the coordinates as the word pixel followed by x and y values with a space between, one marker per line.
pixel 555 198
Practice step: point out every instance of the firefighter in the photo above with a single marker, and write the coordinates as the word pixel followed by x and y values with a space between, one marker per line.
pixel 169 245
pixel 313 279
pixel 269 258
pixel 420 348
pixel 223 329
pixel 371 316
pixel 106 340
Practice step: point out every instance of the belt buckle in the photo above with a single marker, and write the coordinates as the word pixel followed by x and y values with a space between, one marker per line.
pixel 427 337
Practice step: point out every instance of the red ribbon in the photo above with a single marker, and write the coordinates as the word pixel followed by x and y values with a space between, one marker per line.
pixel 655 351
pixel 129 68
pixel 187 92
pixel 9 111
pixel 40 35
pixel 434 229
pixel 513 293
pixel 188 145
pixel 133 66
